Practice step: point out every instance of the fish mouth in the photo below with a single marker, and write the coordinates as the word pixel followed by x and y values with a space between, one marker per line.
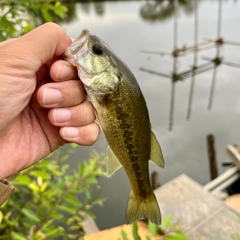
pixel 78 48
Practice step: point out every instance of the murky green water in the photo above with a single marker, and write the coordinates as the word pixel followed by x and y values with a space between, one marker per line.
pixel 191 108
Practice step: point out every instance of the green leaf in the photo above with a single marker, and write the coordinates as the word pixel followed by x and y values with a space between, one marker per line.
pixel 47 224
pixel 152 228
pixel 17 236
pixel 89 213
pixel 56 215
pixel 56 187
pixel 67 209
pixel 73 200
pixel 1 217
pixel 181 235
pixel 34 187
pixel 88 194
pixel 60 10
pixel 124 235
pixel 46 15
pixel 81 169
pixel 64 168
pixel 74 145
pixel 22 179
pixel 44 187
pixel 52 233
pixel 30 26
pixel 39 173
pixel 177 235
pixel 99 201
pixel 30 214
pixel 135 231
pixel 4 204
pixel 39 181
pixel 167 222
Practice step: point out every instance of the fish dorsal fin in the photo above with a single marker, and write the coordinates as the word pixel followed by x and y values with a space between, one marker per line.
pixel 156 155
pixel 112 163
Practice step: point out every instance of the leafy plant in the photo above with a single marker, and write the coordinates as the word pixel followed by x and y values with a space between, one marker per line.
pixel 173 229
pixel 46 205
pixel 18 17
pixel 168 231
pixel 135 231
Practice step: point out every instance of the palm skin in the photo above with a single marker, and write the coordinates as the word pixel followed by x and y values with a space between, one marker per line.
pixel 31 125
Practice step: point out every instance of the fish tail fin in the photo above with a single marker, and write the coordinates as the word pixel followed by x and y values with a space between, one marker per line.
pixel 143 208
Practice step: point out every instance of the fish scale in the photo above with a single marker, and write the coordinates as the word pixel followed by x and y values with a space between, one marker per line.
pixel 122 113
pixel 129 147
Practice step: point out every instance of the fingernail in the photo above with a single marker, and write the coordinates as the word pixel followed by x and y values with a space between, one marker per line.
pixel 51 96
pixel 61 115
pixel 64 72
pixel 70 132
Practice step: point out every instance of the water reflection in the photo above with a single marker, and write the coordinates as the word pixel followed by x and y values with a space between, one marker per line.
pixel 195 68
pixel 97 6
pixel 14 14
pixel 161 10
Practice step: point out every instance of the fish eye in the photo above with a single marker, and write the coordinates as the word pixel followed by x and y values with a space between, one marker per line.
pixel 97 49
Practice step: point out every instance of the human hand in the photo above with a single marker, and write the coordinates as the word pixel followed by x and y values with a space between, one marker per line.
pixel 42 101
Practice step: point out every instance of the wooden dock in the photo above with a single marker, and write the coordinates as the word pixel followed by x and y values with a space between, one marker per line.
pixel 115 233
pixel 198 211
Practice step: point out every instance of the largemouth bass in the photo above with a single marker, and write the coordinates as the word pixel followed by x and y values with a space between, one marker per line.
pixel 122 113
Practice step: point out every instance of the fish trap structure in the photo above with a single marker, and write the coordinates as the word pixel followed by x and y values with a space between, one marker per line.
pixel 196 68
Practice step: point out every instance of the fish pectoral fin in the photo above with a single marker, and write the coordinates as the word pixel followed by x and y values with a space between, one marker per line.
pixel 112 163
pixel 156 155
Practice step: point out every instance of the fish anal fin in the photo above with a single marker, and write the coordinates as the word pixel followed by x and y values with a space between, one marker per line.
pixel 143 208
pixel 156 155
pixel 112 163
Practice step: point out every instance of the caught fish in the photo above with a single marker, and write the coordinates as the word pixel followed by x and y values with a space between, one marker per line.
pixel 122 113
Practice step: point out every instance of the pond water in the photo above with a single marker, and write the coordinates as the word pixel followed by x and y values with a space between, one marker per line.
pixel 181 127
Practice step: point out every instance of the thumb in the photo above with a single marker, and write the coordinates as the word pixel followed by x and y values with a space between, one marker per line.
pixel 44 42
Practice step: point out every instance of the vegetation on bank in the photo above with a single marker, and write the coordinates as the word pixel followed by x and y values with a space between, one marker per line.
pixel 50 201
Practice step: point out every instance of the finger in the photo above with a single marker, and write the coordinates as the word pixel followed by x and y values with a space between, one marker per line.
pixel 44 42
pixel 85 135
pixel 62 71
pixel 79 115
pixel 61 94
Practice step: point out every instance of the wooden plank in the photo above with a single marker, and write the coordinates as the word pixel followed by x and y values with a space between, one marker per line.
pixel 234 152
pixel 223 224
pixel 201 214
pixel 223 181
pixel 89 225
pixel 115 233
pixel 186 200
pixel 234 201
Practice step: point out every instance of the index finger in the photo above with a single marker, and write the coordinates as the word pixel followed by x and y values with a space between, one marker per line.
pixel 44 42
pixel 61 71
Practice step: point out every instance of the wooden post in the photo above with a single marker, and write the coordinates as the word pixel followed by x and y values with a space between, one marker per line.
pixel 212 157
pixel 155 180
